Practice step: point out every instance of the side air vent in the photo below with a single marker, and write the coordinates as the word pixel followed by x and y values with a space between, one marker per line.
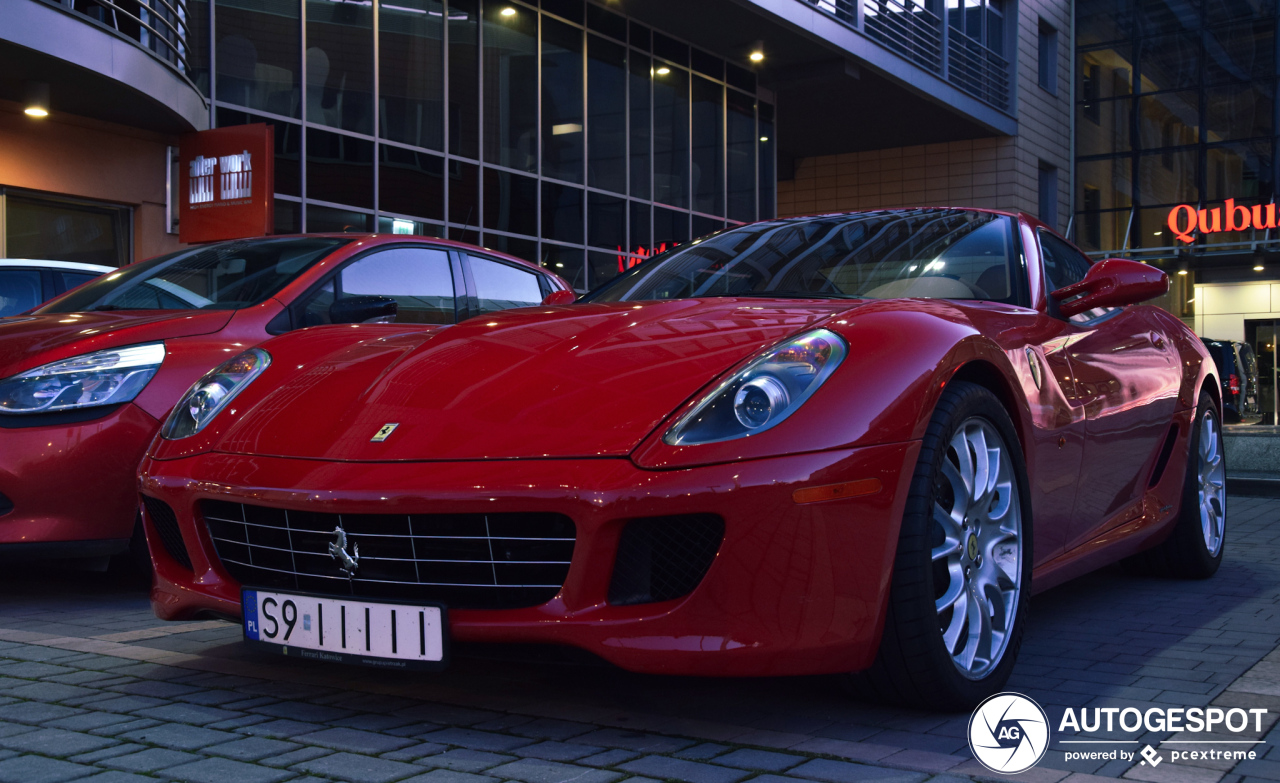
pixel 6 505
pixel 1166 451
pixel 166 524
pixel 661 558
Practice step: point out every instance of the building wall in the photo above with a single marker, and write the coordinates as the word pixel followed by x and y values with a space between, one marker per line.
pixel 1222 309
pixel 72 156
pixel 1001 173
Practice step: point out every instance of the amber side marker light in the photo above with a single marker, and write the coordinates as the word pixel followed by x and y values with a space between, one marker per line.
pixel 849 489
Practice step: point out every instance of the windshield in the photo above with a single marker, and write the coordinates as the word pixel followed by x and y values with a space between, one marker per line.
pixel 928 253
pixel 226 276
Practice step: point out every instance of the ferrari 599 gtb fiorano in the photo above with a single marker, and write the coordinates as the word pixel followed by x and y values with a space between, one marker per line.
pixel 848 443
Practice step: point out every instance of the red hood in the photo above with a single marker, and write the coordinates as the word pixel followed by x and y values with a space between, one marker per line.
pixel 28 341
pixel 577 381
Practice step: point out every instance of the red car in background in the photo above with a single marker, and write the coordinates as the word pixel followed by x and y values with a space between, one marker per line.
pixel 86 379
pixel 844 443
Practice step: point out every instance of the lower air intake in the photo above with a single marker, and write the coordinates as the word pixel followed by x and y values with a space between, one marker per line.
pixel 166 524
pixel 662 558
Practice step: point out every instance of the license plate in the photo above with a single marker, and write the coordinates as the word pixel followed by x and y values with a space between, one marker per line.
pixel 393 635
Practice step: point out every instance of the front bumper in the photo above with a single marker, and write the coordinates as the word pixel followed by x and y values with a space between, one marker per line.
pixel 794 589
pixel 72 482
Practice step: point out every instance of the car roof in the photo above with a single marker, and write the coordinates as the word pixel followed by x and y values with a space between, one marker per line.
pixel 386 239
pixel 45 264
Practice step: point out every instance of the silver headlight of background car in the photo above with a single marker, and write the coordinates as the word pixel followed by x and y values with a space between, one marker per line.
pixel 764 392
pixel 213 392
pixel 107 377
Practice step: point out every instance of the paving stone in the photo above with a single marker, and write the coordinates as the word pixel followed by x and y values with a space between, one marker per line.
pixel 38 769
pixel 179 736
pixel 830 771
pixel 9 729
pixel 747 758
pixel 557 751
pixel 55 742
pixel 111 752
pixel 239 723
pixel 550 728
pixel 634 740
pixel 540 771
pixel 158 688
pixel 219 770
pixel 33 669
pixel 450 776
pixel 370 722
pixel 464 760
pixel 701 752
pixel 301 710
pixel 669 768
pixel 416 751
pixel 477 740
pixel 610 758
pixel 128 703
pixel 282 729
pixel 252 748
pixel 197 714
pixel 88 720
pixel 149 760
pixel 49 691
pixel 121 728
pixel 35 712
pixel 115 776
pixel 294 757
pixel 444 714
pixel 355 741
pixel 358 769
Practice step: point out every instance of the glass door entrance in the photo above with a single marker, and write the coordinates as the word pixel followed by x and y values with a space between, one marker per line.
pixel 1261 335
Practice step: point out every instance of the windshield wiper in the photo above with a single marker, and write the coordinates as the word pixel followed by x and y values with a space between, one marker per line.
pixel 787 295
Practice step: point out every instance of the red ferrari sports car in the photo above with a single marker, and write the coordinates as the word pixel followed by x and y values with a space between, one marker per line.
pixel 86 379
pixel 843 443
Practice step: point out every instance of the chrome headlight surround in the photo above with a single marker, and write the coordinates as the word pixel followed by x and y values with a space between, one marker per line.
pixel 209 395
pixel 764 392
pixel 107 377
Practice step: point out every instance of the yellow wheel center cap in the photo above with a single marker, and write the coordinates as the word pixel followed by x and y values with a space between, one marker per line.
pixel 973 547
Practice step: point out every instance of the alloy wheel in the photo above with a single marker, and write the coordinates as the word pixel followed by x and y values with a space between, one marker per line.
pixel 977 548
pixel 1211 472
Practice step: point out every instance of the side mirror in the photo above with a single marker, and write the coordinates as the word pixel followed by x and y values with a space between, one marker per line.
pixel 562 297
pixel 1114 282
pixel 363 310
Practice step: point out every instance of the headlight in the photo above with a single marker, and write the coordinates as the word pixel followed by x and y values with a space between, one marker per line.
pixel 763 393
pixel 213 392
pixel 105 377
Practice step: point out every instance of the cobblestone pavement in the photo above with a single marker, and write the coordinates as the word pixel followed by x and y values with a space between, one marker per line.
pixel 94 688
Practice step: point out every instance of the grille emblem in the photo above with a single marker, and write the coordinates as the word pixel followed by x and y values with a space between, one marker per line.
pixel 338 551
pixel 384 432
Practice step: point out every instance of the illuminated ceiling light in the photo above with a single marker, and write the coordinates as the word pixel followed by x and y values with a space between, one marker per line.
pixel 1182 271
pixel 508 11
pixel 37 103
pixel 756 56
pixel 1258 268
pixel 764 138
pixel 1156 233
pixel 663 71
pixel 566 128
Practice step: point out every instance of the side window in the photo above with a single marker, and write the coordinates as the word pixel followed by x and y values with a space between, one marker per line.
pixel 419 279
pixel 19 290
pixel 1063 264
pixel 69 280
pixel 501 286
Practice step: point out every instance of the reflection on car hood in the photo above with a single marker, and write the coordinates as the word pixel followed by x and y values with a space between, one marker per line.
pixel 28 341
pixel 578 381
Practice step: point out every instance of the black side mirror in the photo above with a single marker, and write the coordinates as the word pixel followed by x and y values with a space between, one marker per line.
pixel 363 310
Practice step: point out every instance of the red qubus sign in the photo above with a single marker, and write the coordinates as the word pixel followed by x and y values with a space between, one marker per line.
pixel 626 262
pixel 225 183
pixel 1185 220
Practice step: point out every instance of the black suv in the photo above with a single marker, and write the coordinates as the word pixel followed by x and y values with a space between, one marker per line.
pixel 1238 369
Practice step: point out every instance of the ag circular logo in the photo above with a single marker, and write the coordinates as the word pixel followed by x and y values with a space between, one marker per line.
pixel 1008 733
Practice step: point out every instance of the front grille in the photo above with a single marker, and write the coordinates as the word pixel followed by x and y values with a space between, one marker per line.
pixel 465 561
pixel 661 558
pixel 166 524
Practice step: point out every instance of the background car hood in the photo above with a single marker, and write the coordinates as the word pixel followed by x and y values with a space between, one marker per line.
pixel 578 381
pixel 28 341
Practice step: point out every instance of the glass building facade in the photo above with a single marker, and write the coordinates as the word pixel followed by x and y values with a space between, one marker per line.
pixel 1175 104
pixel 566 133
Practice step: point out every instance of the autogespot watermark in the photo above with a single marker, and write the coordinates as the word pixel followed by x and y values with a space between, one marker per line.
pixel 1010 733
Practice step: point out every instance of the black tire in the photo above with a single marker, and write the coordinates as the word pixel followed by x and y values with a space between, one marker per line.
pixel 1185 554
pixel 913 665
pixel 134 564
